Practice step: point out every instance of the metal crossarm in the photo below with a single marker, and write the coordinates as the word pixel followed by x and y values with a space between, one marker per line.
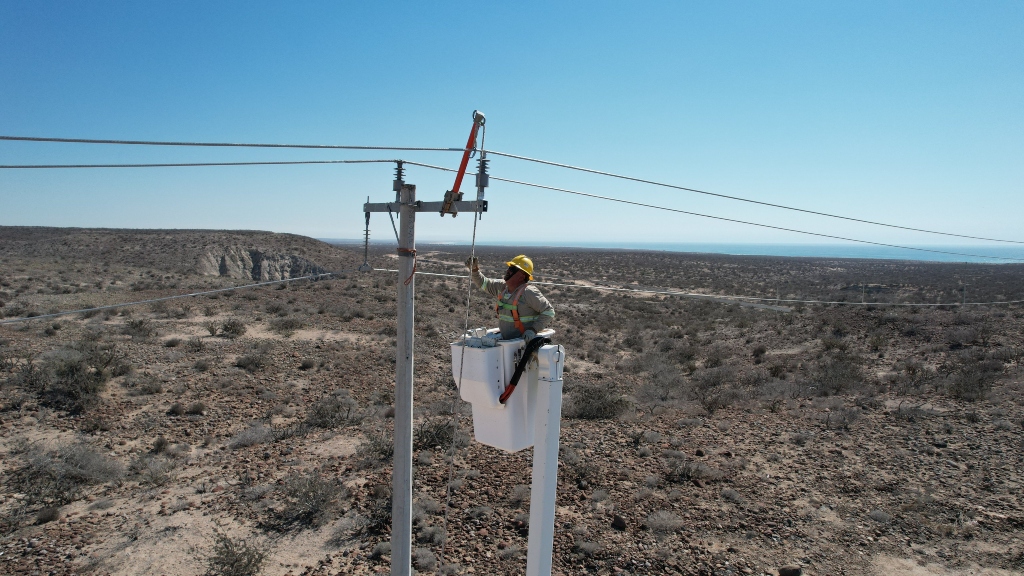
pixel 419 206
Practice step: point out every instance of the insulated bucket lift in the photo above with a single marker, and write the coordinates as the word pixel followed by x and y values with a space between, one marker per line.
pixel 531 416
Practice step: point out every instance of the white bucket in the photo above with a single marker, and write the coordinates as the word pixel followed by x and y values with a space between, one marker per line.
pixel 485 372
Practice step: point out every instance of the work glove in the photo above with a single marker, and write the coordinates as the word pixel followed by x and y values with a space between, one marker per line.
pixel 473 263
pixel 529 335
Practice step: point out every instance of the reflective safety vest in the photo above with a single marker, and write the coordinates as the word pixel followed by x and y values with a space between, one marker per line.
pixel 512 310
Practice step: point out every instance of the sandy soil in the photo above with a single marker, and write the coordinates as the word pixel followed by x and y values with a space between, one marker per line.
pixel 697 438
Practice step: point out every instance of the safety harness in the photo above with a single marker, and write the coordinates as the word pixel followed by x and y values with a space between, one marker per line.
pixel 514 309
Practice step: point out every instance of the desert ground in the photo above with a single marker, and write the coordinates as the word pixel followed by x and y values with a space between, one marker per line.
pixel 249 431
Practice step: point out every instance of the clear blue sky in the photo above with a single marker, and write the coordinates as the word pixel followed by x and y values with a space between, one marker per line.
pixel 907 112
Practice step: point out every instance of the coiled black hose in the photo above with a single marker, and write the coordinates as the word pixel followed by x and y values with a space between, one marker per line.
pixel 531 348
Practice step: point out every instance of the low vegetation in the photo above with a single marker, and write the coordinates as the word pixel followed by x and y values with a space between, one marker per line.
pixel 823 435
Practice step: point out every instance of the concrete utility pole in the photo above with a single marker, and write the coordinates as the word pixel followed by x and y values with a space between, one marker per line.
pixel 401 482
pixel 401 486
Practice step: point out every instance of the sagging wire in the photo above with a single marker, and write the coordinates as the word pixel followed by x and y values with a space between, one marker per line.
pixel 187 164
pixel 748 200
pixel 482 150
pixel 733 220
pixel 224 144
pixel 737 299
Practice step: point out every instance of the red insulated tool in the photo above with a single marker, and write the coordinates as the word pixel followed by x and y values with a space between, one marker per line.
pixel 452 196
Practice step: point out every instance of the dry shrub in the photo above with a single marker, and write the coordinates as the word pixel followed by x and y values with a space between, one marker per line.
pixel 257 433
pixel 139 329
pixel 235 557
pixel 681 469
pixel 837 374
pixel 437 432
pixel 286 326
pixel 334 410
pixel 251 362
pixel 663 522
pixel 143 385
pixel 970 374
pixel 233 329
pixel 424 559
pixel 379 447
pixel 711 390
pixel 58 477
pixel 310 500
pixel 595 402
pixel 71 378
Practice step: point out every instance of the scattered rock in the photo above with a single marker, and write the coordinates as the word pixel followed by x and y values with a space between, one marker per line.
pixel 790 571
pixel 619 523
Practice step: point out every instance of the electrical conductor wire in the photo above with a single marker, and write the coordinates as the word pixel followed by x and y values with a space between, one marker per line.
pixel 734 220
pixel 741 199
pixel 737 299
pixel 185 164
pixel 224 144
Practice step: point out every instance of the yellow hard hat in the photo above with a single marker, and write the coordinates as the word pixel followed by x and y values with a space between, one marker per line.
pixel 524 264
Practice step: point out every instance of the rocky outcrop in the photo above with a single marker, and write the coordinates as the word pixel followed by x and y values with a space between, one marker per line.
pixel 254 264
pixel 242 254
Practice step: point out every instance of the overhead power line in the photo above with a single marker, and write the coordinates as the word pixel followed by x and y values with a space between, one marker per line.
pixel 748 200
pixel 166 298
pixel 189 164
pixel 737 299
pixel 734 220
pixel 224 144
pixel 514 156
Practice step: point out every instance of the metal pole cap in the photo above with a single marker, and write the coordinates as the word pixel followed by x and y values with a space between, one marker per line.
pixel 478 117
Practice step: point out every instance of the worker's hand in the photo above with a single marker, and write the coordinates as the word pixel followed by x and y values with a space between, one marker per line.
pixel 529 335
pixel 473 264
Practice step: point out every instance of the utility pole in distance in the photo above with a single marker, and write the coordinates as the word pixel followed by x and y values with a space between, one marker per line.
pixel 401 485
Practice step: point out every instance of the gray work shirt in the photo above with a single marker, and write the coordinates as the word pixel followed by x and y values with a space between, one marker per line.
pixel 535 312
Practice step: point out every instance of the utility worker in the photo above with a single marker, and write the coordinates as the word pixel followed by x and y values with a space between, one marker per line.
pixel 521 309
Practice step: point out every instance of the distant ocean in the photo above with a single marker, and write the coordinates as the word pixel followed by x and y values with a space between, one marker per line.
pixel 798 250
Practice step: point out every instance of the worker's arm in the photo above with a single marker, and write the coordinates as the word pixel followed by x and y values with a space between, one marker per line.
pixel 545 312
pixel 492 286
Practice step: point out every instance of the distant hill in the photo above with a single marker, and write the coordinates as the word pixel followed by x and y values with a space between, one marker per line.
pixel 247 254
